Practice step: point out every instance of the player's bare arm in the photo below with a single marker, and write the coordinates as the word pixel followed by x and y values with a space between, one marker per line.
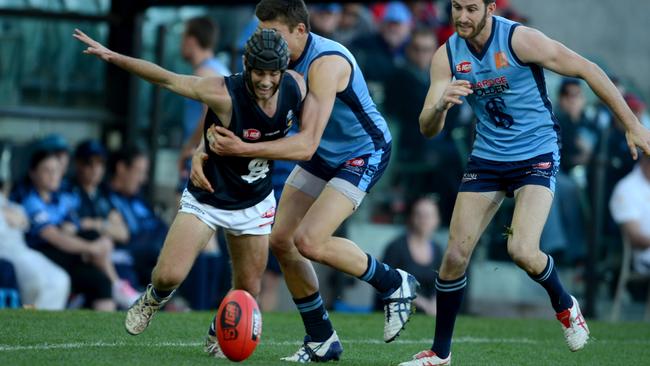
pixel 209 90
pixel 532 46
pixel 442 95
pixel 327 76
pixel 197 177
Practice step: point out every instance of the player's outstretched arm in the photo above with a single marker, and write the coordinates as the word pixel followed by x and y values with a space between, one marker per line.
pixel 327 76
pixel 207 90
pixel 532 46
pixel 442 95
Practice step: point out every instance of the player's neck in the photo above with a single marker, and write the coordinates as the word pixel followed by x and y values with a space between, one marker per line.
pixel 293 56
pixel 480 40
pixel 269 105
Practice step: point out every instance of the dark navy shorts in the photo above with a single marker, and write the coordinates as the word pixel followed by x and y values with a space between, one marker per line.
pixel 362 171
pixel 482 175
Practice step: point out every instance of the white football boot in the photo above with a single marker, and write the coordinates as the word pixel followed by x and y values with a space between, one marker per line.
pixel 576 331
pixel 140 313
pixel 427 358
pixel 330 350
pixel 398 307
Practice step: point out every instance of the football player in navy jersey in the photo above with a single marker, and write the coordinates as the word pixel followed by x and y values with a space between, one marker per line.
pixel 496 66
pixel 344 146
pixel 256 105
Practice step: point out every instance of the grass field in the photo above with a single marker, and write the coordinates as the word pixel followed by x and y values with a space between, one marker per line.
pixel 89 338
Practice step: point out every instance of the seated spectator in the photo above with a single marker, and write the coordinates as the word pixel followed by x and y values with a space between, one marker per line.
pixel 9 296
pixel 324 19
pixel 54 230
pixel 416 253
pixel 42 283
pixel 97 216
pixel 128 170
pixel 630 208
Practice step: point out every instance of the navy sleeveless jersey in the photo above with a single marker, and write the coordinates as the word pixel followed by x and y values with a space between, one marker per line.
pixel 240 182
pixel 355 127
pixel 515 118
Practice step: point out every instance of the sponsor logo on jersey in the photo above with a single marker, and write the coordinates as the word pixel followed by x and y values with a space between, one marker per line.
pixel 464 67
pixel 252 134
pixel 501 60
pixel 491 87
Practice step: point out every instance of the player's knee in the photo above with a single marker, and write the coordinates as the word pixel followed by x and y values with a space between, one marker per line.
pixel 281 245
pixel 307 246
pixel 456 259
pixel 521 257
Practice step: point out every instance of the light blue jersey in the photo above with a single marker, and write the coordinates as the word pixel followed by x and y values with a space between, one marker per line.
pixel 193 110
pixel 515 117
pixel 355 127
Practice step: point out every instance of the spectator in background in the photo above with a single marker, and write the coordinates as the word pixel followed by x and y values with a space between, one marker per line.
pixel 325 19
pixel 128 170
pixel 42 283
pixel 414 151
pixel 577 131
pixel 200 37
pixel 97 216
pixel 54 229
pixel 417 253
pixel 59 147
pixel 355 21
pixel 630 208
pixel 379 53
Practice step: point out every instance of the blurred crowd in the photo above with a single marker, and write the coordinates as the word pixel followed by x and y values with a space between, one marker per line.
pixel 76 230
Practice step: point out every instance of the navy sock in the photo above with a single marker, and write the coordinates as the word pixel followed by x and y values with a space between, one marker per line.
pixel 449 297
pixel 382 277
pixel 212 331
pixel 317 322
pixel 560 299
pixel 160 295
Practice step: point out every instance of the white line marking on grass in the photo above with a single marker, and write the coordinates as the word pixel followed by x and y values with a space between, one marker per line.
pixel 424 341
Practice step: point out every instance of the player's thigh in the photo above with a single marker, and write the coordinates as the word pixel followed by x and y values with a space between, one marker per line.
pixel 293 206
pixel 249 254
pixel 326 214
pixel 532 205
pixel 473 211
pixel 187 236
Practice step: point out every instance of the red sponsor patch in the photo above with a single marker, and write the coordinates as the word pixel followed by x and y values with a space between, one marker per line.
pixel 544 165
pixel 356 162
pixel 464 67
pixel 252 134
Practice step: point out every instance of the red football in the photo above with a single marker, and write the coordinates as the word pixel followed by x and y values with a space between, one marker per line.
pixel 239 325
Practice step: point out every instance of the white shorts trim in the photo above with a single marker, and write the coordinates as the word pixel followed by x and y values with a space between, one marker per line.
pixel 312 185
pixel 254 220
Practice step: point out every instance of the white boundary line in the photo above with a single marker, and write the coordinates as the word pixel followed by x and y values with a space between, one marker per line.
pixel 102 344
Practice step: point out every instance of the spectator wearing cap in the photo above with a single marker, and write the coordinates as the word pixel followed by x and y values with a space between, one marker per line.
pixel 379 53
pixel 97 216
pixel 128 171
pixel 325 19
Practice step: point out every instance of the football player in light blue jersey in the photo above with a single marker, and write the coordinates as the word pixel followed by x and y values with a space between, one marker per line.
pixel 497 66
pixel 344 146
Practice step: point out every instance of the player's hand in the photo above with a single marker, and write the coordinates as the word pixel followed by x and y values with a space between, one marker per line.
pixel 638 137
pixel 197 177
pixel 452 94
pixel 94 47
pixel 223 141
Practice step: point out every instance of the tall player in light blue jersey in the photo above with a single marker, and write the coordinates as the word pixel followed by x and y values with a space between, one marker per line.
pixel 497 65
pixel 344 146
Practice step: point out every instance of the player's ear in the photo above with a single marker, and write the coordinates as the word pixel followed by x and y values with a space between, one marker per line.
pixel 301 28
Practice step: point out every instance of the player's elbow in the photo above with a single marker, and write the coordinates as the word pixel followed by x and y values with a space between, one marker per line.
pixel 307 151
